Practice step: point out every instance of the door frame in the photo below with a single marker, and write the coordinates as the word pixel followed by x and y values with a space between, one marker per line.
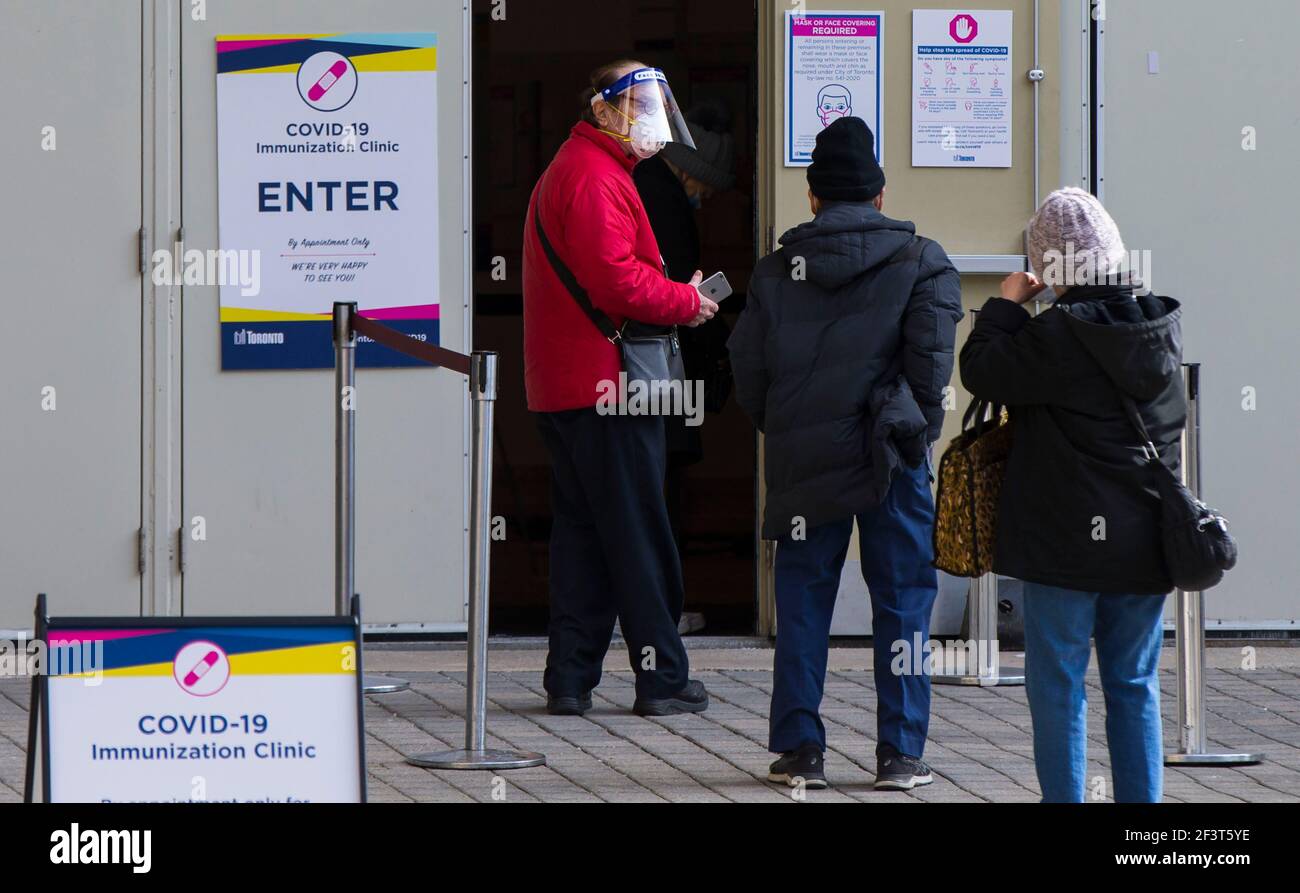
pixel 161 533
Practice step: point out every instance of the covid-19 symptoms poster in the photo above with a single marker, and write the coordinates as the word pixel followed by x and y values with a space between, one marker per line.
pixel 961 88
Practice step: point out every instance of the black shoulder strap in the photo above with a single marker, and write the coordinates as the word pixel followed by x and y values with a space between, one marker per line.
pixel 982 415
pixel 599 319
pixel 1149 451
pixel 909 252
pixel 1135 416
pixel 1131 410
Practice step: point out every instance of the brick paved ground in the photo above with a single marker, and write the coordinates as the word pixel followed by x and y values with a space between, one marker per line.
pixel 980 744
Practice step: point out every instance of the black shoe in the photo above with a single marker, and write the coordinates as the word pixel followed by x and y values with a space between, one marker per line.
pixel 807 765
pixel 691 699
pixel 568 706
pixel 899 772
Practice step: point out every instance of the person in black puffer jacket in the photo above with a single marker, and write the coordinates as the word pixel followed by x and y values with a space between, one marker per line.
pixel 841 358
pixel 1079 515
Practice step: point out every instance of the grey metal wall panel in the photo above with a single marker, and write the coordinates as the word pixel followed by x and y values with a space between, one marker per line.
pixel 258 447
pixel 1220 223
pixel 69 249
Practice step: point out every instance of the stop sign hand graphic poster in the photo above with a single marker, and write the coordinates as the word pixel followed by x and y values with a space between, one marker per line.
pixel 961 88
pixel 327 169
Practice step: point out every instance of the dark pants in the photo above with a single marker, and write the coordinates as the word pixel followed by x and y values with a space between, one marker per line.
pixel 612 553
pixel 895 541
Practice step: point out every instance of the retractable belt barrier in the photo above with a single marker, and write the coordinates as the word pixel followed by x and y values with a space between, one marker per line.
pixel 431 354
pixel 481 370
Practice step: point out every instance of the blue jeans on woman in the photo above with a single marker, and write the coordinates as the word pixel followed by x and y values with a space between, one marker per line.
pixel 1127 628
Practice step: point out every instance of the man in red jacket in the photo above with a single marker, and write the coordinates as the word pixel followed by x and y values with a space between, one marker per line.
pixel 612 549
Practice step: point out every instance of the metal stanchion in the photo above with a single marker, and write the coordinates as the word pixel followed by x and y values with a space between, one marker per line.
pixel 1189 619
pixel 982 630
pixel 483 393
pixel 345 481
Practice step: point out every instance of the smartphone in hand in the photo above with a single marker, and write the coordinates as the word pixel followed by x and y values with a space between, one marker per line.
pixel 716 288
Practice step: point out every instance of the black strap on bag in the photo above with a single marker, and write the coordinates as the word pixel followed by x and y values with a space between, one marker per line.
pixel 651 356
pixel 1194 537
pixel 1198 548
pixel 982 416
pixel 601 321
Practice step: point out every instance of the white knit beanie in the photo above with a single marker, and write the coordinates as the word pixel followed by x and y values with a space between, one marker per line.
pixel 1070 227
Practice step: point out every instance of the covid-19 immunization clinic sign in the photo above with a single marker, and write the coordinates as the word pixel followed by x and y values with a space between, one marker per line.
pixel 186 710
pixel 327 166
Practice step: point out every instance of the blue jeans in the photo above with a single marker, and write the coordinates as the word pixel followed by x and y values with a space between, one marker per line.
pixel 896 547
pixel 1127 628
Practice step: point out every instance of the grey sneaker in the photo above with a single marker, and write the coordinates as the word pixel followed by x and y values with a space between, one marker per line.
pixel 898 772
pixel 806 765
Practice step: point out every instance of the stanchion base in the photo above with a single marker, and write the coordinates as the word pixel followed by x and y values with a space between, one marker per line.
pixel 1213 759
pixel 476 759
pixel 984 681
pixel 382 685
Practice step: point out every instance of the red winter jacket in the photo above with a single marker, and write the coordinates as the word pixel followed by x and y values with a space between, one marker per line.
pixel 594 218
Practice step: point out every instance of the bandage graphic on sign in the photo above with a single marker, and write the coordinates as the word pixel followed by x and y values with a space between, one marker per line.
pixel 200 669
pixel 327 80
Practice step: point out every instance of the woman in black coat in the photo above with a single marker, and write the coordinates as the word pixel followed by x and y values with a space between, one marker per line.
pixel 672 186
pixel 1078 518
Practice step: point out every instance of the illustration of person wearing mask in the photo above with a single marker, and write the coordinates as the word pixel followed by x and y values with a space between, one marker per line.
pixel 834 101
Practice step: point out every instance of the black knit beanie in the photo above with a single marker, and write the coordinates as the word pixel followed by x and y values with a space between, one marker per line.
pixel 844 167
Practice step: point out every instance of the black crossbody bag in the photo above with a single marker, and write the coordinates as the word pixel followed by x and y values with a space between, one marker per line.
pixel 651 355
pixel 1198 548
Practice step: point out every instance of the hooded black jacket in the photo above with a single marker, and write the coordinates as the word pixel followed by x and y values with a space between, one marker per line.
pixel 1079 508
pixel 841 357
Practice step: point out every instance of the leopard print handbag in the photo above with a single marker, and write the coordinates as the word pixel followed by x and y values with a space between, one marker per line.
pixel 970 481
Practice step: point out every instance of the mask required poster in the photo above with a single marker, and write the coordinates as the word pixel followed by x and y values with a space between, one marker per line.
pixel 834 70
pixel 961 88
pixel 327 160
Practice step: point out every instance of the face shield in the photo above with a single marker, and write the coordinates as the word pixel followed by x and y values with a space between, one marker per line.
pixel 647 116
